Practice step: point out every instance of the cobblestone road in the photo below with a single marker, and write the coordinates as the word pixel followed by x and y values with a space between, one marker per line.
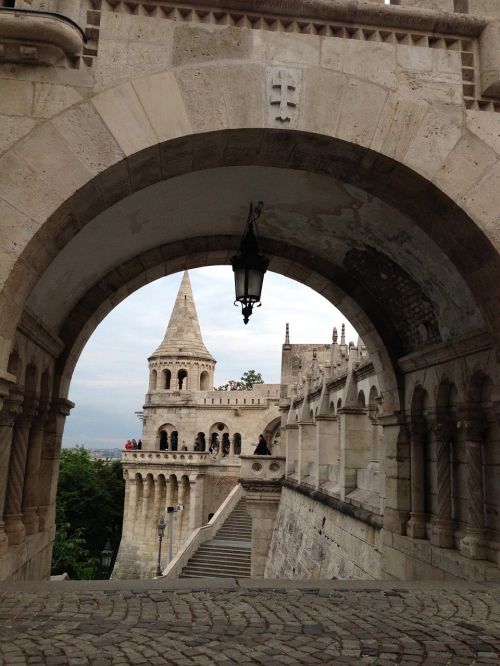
pixel 236 622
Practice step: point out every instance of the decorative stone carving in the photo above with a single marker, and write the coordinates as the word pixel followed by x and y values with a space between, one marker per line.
pixel 284 95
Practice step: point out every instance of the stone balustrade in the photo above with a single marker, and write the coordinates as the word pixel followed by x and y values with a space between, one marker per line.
pixel 178 457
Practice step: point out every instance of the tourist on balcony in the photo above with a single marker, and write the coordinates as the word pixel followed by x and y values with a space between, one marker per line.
pixel 262 449
pixel 128 445
pixel 139 445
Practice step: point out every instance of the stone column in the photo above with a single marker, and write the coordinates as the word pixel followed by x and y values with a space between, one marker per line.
pixel 49 464
pixel 196 502
pixel 355 447
pixel 8 415
pixel 397 474
pixel 307 452
pixel 442 524
pixel 416 526
pixel 32 474
pixel 473 544
pixel 14 526
pixel 292 443
pixel 326 430
pixel 262 501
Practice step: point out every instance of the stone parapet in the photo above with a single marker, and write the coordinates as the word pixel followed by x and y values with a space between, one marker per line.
pixel 262 468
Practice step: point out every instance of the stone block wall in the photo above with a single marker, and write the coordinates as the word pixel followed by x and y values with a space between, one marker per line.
pixel 313 540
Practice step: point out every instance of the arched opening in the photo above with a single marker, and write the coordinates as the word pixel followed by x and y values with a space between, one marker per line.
pixel 167 375
pixel 237 444
pixel 153 379
pixel 226 445
pixel 174 440
pixel 200 443
pixel 182 380
pixel 369 279
pixel 204 381
pixel 163 440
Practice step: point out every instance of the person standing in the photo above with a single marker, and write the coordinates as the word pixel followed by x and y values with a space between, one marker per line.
pixel 262 449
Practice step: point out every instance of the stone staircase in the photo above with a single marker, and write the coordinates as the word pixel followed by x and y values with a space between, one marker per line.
pixel 228 554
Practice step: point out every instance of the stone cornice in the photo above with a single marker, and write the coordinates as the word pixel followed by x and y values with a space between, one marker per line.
pixel 466 345
pixel 350 12
pixel 32 328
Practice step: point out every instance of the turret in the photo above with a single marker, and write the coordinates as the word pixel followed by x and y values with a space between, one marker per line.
pixel 182 362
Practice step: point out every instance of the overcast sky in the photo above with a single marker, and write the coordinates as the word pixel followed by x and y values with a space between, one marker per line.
pixel 111 377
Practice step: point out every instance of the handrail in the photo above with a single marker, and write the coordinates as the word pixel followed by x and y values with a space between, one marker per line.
pixel 203 534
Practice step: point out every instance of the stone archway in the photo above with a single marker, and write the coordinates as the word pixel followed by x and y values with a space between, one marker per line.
pixel 353 209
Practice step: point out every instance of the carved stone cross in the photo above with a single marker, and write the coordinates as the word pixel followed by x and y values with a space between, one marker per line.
pixel 283 94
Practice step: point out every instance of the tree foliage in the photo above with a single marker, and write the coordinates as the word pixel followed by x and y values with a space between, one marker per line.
pixel 248 379
pixel 89 511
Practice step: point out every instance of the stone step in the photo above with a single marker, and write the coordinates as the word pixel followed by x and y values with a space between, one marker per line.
pixel 244 554
pixel 227 572
pixel 215 560
pixel 219 562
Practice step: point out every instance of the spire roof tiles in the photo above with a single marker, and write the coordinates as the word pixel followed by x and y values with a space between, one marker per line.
pixel 183 336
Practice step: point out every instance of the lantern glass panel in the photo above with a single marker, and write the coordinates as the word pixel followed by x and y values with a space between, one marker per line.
pixel 239 282
pixel 255 279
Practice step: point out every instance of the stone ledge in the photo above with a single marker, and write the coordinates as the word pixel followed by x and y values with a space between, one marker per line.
pixel 357 513
pixel 35 37
pixel 351 12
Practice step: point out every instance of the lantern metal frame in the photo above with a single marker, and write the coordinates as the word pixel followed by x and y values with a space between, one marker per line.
pixel 250 262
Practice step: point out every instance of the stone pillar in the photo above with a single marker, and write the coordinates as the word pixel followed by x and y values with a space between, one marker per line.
pixel 8 415
pixel 14 526
pixel 355 447
pixel 397 474
pixel 416 526
pixel 326 430
pixel 292 446
pixel 32 474
pixel 147 501
pixel 307 448
pixel 262 501
pixel 196 502
pixel 126 501
pixel 473 543
pixel 49 464
pixel 442 524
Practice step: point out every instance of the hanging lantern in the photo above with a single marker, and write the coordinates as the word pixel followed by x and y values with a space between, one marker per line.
pixel 249 266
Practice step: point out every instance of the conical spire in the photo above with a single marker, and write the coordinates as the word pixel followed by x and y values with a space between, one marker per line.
pixel 183 336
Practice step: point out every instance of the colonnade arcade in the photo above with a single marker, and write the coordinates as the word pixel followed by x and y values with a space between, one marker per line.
pixel 217 438
pixel 148 494
pixel 455 451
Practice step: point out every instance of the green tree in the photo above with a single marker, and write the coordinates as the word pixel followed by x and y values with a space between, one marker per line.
pixel 89 511
pixel 248 379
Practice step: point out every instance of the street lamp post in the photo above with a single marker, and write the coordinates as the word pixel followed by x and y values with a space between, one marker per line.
pixel 161 531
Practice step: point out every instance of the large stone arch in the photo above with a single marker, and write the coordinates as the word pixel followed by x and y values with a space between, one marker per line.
pixel 402 175
pixel 148 129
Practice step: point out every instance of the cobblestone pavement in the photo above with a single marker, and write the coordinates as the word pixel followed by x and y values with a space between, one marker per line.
pixel 253 622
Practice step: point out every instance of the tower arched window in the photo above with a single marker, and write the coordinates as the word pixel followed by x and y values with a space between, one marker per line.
pixel 163 440
pixel 182 379
pixel 204 381
pixel 166 379
pixel 237 444
pixel 153 377
pixel 174 440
